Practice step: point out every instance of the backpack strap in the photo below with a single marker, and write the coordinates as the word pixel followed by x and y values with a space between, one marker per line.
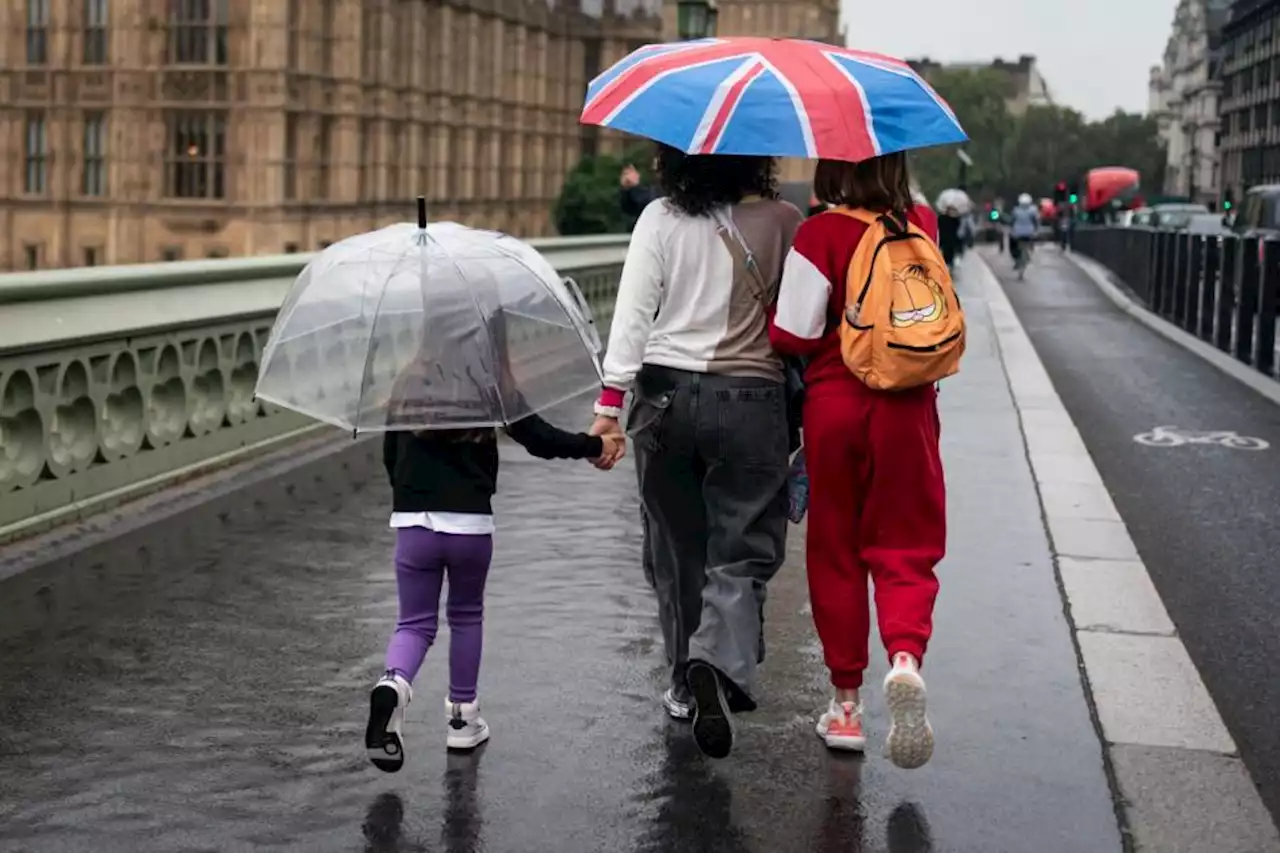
pixel 895 223
pixel 897 228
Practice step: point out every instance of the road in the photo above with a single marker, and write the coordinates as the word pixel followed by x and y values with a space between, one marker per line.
pixel 1205 518
pixel 199 682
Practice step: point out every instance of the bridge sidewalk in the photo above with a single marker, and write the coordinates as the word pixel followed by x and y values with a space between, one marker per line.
pixel 199 683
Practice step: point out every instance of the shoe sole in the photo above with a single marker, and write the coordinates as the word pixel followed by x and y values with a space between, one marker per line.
pixel 712 723
pixel 458 742
pixel 910 742
pixel 385 747
pixel 844 743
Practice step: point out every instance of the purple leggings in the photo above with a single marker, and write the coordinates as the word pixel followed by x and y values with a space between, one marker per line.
pixel 423 558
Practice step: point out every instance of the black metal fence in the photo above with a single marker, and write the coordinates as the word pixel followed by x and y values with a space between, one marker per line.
pixel 1223 289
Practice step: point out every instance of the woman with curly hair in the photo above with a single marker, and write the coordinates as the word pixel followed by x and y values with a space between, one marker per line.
pixel 690 340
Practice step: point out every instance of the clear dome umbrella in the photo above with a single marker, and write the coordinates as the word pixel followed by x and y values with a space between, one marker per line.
pixel 435 326
pixel 954 197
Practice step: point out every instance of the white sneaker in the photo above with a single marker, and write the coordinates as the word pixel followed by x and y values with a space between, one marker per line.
pixel 910 742
pixel 467 729
pixel 841 726
pixel 382 737
pixel 679 705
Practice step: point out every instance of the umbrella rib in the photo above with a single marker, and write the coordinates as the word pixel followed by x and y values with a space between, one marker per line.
pixel 368 356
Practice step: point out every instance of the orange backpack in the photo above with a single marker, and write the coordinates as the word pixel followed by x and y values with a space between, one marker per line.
pixel 903 326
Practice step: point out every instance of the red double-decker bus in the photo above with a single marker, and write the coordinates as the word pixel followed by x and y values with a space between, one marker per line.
pixel 1110 189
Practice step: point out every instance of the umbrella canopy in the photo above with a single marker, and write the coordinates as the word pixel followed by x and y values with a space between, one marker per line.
pixel 957 198
pixel 771 97
pixel 445 327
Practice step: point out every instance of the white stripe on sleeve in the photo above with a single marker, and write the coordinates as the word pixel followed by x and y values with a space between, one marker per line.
pixel 802 298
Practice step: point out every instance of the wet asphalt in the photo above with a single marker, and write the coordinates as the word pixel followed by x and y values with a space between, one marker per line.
pixel 199 682
pixel 1205 518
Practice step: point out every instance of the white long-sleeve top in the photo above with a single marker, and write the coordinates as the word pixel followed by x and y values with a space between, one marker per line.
pixel 711 313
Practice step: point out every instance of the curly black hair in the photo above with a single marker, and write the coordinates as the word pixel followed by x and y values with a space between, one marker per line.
pixel 699 183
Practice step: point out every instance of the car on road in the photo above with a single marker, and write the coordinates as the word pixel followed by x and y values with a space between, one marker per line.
pixel 1134 218
pixel 1207 223
pixel 1259 213
pixel 1174 214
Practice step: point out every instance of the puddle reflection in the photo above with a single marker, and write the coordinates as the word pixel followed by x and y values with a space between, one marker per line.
pixel 461 825
pixel 462 829
pixel 909 830
pixel 694 805
pixel 843 815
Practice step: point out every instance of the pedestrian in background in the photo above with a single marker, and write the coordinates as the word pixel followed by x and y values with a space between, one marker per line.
pixel 635 196
pixel 949 235
pixel 877 502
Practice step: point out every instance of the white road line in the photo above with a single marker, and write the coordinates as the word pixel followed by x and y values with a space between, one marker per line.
pixel 1148 694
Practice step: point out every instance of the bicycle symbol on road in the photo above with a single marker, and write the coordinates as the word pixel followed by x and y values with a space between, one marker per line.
pixel 1172 436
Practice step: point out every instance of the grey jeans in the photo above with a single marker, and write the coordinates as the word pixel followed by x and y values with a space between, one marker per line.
pixel 711 454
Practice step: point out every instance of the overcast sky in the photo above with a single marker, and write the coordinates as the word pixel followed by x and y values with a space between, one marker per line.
pixel 1094 54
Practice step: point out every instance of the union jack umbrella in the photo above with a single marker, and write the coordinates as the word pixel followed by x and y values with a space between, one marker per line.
pixel 771 97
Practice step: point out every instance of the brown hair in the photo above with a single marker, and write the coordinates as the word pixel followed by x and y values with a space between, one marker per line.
pixel 882 184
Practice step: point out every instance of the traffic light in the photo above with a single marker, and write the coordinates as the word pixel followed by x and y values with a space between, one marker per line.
pixel 1073 198
pixel 1075 193
pixel 995 214
pixel 1060 192
pixel 1227 201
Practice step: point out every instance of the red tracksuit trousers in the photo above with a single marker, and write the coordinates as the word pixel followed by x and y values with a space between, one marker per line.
pixel 877 508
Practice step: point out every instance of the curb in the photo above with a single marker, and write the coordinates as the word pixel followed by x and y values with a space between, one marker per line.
pixel 1101 276
pixel 1176 773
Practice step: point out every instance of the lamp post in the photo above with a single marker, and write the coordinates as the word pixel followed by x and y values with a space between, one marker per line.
pixel 696 19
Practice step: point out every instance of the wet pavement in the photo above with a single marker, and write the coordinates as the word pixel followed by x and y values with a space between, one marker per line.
pixel 200 683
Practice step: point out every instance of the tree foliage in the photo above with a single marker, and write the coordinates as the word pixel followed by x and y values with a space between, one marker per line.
pixel 1032 152
pixel 589 201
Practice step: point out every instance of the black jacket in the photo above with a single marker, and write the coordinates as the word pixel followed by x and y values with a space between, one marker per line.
pixel 635 199
pixel 442 475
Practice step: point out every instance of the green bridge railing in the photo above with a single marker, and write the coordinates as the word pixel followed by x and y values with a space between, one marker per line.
pixel 116 381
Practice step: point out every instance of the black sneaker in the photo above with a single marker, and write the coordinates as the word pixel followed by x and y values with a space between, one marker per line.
pixel 382 738
pixel 712 722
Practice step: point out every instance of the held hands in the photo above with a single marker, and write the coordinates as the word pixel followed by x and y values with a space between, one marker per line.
pixel 613 439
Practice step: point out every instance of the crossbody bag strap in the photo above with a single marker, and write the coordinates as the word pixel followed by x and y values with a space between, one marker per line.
pixel 725 220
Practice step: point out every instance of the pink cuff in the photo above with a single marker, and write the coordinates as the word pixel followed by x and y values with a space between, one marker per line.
pixel 612 398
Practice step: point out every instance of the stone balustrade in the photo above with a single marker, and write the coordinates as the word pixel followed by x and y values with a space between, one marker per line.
pixel 118 380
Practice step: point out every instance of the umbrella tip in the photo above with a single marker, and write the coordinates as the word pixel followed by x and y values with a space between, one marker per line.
pixel 422 211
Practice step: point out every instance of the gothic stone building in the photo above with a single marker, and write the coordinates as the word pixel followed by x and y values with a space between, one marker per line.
pixel 1249 108
pixel 145 130
pixel 1183 94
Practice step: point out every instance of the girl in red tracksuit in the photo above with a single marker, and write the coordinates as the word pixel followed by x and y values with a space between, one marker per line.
pixel 877 500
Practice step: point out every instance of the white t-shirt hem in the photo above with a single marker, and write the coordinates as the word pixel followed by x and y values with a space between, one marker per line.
pixel 456 523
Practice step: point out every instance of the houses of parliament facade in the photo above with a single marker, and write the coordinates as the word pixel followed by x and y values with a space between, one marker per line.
pixel 146 130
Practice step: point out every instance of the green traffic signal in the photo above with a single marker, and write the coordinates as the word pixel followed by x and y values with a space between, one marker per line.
pixel 1226 205
pixel 1074 198
pixel 995 214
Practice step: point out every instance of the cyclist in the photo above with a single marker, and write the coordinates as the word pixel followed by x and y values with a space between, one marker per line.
pixel 1024 221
